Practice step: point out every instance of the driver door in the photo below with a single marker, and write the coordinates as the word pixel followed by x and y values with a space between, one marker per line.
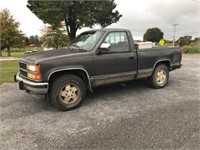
pixel 116 64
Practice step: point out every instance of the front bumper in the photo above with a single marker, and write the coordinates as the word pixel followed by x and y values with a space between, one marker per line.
pixel 30 86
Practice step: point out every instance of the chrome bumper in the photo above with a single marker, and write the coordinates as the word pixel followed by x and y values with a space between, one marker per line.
pixel 32 87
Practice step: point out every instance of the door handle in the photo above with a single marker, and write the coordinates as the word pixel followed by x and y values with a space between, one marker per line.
pixel 131 57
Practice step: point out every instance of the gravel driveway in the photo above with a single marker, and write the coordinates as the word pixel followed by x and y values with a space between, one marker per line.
pixel 123 116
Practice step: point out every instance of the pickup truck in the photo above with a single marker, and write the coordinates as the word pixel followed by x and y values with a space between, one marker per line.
pixel 94 58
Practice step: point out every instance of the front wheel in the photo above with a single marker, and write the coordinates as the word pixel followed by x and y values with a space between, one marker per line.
pixel 67 92
pixel 160 76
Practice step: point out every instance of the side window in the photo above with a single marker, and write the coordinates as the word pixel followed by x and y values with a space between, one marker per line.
pixel 118 41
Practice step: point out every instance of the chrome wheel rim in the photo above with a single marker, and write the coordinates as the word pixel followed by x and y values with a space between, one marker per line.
pixel 69 93
pixel 161 77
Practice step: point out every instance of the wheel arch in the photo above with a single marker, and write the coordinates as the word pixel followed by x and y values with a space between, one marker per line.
pixel 166 62
pixel 153 78
pixel 80 72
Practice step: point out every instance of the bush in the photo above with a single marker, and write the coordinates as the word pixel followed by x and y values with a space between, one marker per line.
pixel 191 49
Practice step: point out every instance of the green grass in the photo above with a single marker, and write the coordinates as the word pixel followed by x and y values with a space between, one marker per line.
pixel 13 54
pixel 17 52
pixel 24 49
pixel 7 70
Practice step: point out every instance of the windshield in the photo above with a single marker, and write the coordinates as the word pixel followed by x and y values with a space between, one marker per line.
pixel 87 40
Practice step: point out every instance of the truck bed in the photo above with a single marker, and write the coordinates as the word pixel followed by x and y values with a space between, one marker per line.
pixel 148 58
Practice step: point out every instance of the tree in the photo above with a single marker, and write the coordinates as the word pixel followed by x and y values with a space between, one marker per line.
pixel 11 36
pixel 153 35
pixel 54 38
pixel 185 40
pixel 75 14
pixel 196 41
pixel 26 41
pixel 32 39
pixel 37 42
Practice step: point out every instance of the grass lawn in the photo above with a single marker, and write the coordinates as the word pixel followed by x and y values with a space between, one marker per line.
pixel 13 54
pixel 7 70
pixel 17 53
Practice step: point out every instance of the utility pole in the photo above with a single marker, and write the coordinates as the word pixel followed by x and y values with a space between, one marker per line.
pixel 174 33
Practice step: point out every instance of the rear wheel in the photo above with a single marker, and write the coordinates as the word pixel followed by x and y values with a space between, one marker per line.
pixel 160 76
pixel 67 92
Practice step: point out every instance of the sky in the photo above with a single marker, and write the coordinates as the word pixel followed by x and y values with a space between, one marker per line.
pixel 137 15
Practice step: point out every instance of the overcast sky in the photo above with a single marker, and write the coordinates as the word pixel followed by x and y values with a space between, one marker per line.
pixel 138 16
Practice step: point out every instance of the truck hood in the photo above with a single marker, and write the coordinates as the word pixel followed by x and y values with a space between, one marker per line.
pixel 38 57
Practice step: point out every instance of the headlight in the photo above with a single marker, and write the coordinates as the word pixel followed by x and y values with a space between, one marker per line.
pixel 34 68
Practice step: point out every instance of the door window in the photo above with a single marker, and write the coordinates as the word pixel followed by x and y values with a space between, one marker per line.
pixel 118 42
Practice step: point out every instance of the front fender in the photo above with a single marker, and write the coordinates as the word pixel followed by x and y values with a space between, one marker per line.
pixel 69 68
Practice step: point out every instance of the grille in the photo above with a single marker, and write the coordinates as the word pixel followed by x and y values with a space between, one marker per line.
pixel 23 73
pixel 22 65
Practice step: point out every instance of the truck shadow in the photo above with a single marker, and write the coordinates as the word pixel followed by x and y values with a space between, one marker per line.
pixel 114 92
pixel 100 94
pixel 107 92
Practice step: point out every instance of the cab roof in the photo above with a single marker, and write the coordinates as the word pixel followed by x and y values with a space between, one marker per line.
pixel 107 29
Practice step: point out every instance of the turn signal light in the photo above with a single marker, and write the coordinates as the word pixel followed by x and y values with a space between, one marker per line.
pixel 34 76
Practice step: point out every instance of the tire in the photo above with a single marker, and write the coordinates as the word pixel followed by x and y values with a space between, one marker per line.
pixel 159 77
pixel 67 92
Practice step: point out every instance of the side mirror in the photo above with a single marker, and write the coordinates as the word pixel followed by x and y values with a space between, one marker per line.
pixel 105 46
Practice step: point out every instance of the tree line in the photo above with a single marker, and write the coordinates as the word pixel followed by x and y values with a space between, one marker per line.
pixel 155 35
pixel 32 40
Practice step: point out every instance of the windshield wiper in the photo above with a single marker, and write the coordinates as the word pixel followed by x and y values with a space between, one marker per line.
pixel 83 50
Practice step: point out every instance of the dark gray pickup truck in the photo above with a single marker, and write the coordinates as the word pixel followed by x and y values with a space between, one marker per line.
pixel 94 58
